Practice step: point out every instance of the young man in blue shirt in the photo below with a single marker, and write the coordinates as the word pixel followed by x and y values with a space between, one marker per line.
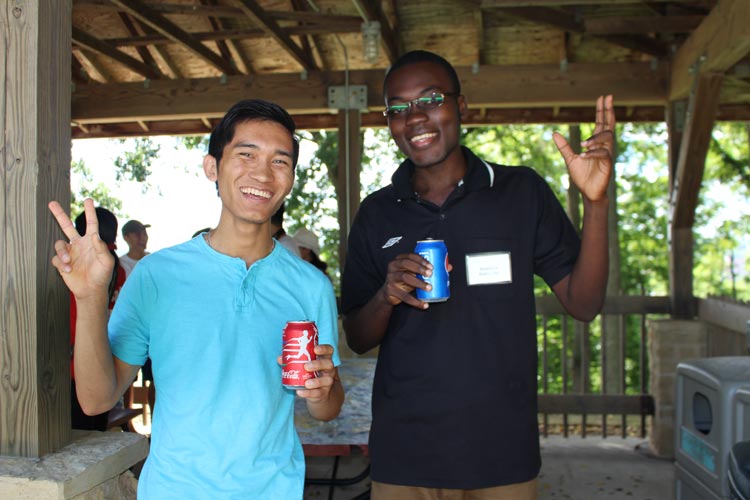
pixel 210 314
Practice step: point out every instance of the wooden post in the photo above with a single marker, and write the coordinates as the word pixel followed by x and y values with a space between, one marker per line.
pixel 347 181
pixel 34 307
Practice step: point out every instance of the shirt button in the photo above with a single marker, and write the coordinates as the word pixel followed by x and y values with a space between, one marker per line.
pixel 442 216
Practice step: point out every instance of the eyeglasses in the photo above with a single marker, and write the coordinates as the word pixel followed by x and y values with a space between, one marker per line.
pixel 426 102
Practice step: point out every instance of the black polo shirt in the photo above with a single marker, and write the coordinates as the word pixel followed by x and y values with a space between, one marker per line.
pixel 454 396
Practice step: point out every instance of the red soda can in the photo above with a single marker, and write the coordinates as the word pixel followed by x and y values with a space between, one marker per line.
pixel 299 341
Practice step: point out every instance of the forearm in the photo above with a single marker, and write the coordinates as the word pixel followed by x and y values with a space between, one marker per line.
pixel 365 327
pixel 96 381
pixel 587 283
pixel 329 408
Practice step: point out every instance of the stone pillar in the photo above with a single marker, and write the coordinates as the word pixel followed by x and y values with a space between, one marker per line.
pixel 94 466
pixel 669 343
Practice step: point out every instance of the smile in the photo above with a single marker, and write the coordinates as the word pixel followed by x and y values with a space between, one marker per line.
pixel 423 137
pixel 256 192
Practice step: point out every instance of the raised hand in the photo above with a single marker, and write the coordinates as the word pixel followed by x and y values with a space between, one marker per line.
pixel 591 170
pixel 84 262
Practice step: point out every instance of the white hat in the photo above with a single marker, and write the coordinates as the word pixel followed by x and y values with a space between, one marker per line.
pixel 307 239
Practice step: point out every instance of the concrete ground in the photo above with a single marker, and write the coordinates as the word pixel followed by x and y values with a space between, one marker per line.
pixel 572 468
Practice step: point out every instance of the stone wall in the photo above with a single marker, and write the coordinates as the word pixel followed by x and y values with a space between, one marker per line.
pixel 669 342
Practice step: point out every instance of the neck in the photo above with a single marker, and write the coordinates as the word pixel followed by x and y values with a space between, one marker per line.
pixel 136 254
pixel 435 183
pixel 250 243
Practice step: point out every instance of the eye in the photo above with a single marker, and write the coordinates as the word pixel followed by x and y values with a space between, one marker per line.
pixel 396 109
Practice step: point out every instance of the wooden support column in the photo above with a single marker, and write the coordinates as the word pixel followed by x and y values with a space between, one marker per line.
pixel 34 307
pixel 685 186
pixel 347 181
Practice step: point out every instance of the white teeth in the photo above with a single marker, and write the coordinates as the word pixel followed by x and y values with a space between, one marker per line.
pixel 422 137
pixel 255 192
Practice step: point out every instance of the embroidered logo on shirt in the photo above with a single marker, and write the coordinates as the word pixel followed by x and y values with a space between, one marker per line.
pixel 392 241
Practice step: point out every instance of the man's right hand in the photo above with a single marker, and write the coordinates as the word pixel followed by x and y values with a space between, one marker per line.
pixel 401 280
pixel 84 262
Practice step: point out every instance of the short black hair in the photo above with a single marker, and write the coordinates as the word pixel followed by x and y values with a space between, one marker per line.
pixel 107 225
pixel 248 110
pixel 419 56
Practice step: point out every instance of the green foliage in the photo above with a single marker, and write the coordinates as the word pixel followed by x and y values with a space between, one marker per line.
pixel 135 164
pixel 99 192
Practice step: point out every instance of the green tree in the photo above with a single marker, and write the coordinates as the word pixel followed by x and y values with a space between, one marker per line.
pixel 99 192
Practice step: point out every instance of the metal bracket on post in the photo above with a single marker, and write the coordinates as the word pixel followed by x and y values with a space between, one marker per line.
pixel 338 98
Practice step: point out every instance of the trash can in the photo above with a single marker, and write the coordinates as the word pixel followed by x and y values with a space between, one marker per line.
pixel 739 471
pixel 704 433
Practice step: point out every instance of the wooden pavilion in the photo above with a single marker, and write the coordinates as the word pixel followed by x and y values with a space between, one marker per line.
pixel 118 68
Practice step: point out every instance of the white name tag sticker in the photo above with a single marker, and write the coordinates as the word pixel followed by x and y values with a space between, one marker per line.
pixel 490 268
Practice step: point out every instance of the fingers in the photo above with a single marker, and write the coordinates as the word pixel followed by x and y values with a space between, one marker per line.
pixel 62 258
pixel 92 222
pixel 63 221
pixel 605 114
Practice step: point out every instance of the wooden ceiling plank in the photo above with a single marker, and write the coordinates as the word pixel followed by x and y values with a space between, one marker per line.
pixel 254 11
pixel 83 39
pixel 146 15
pixel 621 25
pixel 721 40
pixel 306 42
pixel 704 102
pixel 95 71
pixel 228 49
pixel 501 4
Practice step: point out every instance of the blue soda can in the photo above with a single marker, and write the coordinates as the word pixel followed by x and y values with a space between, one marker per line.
pixel 436 253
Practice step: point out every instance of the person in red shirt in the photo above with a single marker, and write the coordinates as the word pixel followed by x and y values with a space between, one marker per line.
pixel 108 234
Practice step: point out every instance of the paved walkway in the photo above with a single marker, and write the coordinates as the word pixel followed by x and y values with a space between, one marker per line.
pixel 572 468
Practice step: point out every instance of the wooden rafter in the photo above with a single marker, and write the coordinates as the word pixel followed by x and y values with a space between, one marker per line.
pixel 83 39
pixel 306 41
pixel 623 25
pixel 146 56
pixel 254 11
pixel 227 47
pixel 144 14
pixel 721 40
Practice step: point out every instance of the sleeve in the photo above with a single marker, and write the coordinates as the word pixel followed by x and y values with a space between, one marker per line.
pixel 128 327
pixel 557 241
pixel 362 275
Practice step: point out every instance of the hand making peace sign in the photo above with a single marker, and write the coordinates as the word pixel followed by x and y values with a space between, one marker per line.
pixel 591 170
pixel 84 262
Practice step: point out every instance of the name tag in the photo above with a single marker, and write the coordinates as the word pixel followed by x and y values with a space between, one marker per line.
pixel 490 268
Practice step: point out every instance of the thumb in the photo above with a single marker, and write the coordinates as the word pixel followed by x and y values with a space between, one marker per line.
pixel 562 145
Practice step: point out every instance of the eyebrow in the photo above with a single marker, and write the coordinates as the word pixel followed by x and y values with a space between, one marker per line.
pixel 250 145
pixel 432 88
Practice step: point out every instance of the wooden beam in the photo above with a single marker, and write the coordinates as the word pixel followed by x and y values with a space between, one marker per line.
pixel 499 4
pixel 83 39
pixel 35 154
pixel 595 404
pixel 623 25
pixel 721 40
pixel 688 176
pixel 147 16
pixel 254 11
pixel 733 316
pixel 347 174
pixel 492 86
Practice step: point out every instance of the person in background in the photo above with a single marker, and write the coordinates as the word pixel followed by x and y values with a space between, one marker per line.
pixel 135 235
pixel 454 404
pixel 279 234
pixel 309 248
pixel 108 234
pixel 210 314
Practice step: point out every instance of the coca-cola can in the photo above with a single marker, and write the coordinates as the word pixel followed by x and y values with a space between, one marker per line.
pixel 299 341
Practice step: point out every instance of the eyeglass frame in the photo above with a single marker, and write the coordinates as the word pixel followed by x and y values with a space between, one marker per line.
pixel 415 103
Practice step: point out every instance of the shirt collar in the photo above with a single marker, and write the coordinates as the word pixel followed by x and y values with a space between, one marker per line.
pixel 479 174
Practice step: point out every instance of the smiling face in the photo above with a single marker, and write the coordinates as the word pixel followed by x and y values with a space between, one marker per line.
pixel 428 137
pixel 256 171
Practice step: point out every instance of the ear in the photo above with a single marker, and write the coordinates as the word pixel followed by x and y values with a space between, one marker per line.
pixel 463 105
pixel 210 168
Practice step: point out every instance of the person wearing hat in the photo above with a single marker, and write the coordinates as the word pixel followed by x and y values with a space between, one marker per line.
pixel 135 235
pixel 309 248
